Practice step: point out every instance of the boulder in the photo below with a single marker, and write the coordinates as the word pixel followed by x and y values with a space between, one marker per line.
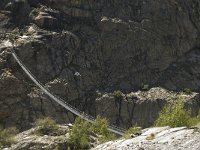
pixel 44 20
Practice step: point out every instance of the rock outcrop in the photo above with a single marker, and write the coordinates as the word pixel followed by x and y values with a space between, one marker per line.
pixel 54 140
pixel 27 140
pixel 157 139
pixel 142 107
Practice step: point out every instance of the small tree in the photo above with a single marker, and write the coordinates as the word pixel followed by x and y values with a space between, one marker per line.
pixel 174 115
pixel 118 95
pixel 100 127
pixel 79 135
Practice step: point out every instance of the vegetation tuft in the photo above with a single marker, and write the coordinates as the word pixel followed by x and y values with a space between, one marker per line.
pixel 133 130
pixel 118 95
pixel 46 126
pixel 175 115
pixel 150 137
pixel 187 91
pixel 7 136
pixel 79 135
pixel 81 131
pixel 100 127
pixel 145 87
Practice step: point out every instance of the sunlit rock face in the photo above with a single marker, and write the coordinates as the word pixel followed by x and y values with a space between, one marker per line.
pixel 161 138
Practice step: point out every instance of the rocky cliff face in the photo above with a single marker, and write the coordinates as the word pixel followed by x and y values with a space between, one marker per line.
pixel 80 48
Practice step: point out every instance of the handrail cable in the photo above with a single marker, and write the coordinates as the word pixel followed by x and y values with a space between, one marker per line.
pixel 112 128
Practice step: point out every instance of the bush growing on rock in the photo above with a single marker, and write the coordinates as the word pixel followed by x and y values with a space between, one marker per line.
pixel 135 130
pixel 100 127
pixel 118 95
pixel 187 91
pixel 7 136
pixel 145 87
pixel 46 126
pixel 79 135
pixel 175 115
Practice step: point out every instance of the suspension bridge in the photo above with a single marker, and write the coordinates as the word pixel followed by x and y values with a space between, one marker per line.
pixel 89 118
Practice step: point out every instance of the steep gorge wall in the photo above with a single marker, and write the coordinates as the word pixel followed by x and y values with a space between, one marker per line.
pixel 79 47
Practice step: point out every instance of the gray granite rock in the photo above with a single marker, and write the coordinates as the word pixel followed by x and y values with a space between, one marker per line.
pixel 165 138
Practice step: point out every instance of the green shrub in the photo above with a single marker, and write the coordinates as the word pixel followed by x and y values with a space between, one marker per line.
pixel 100 127
pixel 175 115
pixel 145 87
pixel 118 95
pixel 187 91
pixel 46 126
pixel 79 135
pixel 7 136
pixel 133 130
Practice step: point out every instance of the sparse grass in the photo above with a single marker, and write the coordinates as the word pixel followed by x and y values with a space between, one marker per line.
pixel 118 95
pixel 7 136
pixel 46 126
pixel 133 130
pixel 175 115
pixel 150 137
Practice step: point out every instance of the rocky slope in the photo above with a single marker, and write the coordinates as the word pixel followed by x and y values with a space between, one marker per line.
pixel 58 140
pixel 163 138
pixel 84 50
pixel 27 140
pixel 150 139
